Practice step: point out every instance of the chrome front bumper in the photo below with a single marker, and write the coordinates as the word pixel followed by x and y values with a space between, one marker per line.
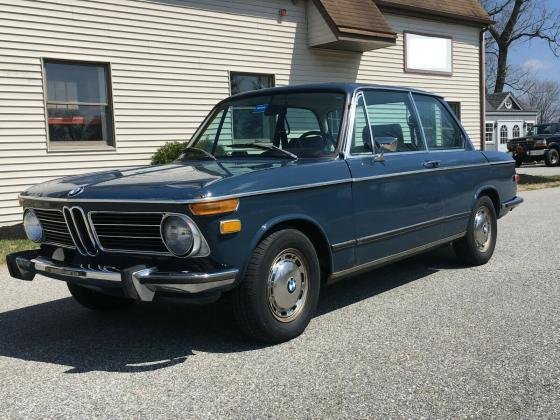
pixel 139 282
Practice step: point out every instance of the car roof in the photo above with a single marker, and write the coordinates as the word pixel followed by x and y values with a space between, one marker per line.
pixel 348 88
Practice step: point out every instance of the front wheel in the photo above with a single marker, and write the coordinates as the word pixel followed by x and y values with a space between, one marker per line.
pixel 280 291
pixel 97 301
pixel 551 157
pixel 477 247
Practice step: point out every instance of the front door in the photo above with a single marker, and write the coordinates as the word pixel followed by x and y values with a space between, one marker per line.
pixel 397 199
pixel 508 130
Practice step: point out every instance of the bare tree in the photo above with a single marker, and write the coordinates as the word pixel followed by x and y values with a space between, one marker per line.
pixel 544 95
pixel 517 21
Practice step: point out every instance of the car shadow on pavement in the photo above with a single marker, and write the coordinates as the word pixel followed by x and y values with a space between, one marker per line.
pixel 149 337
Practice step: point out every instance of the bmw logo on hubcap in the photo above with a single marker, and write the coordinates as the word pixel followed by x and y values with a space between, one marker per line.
pixel 292 285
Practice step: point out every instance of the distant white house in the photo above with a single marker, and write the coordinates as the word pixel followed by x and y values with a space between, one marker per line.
pixel 506 118
pixel 99 84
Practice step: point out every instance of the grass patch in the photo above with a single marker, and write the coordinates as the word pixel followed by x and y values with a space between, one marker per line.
pixel 7 246
pixel 533 182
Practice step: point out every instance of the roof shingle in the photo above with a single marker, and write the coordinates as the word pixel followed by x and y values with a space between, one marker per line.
pixel 468 10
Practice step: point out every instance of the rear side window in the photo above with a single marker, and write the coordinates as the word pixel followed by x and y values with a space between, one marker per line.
pixel 441 130
pixel 391 114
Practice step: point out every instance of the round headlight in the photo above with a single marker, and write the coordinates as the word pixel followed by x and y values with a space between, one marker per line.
pixel 32 226
pixel 177 235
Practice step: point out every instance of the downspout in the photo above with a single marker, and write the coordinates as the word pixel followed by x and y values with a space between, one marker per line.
pixel 482 79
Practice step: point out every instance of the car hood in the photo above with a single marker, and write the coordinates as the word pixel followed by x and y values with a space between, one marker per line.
pixel 178 181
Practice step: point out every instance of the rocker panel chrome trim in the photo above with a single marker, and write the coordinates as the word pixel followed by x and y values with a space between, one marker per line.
pixel 391 258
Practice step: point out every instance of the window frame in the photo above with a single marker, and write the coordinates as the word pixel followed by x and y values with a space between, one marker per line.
pixel 375 151
pixel 502 132
pixel 80 146
pixel 486 132
pixel 408 69
pixel 513 130
pixel 246 73
pixel 467 143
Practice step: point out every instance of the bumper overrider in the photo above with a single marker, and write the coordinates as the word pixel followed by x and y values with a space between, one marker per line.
pixel 139 282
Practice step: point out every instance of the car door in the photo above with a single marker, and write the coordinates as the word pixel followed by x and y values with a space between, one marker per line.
pixel 396 197
pixel 462 170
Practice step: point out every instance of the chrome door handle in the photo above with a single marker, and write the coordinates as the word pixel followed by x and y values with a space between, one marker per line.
pixel 430 164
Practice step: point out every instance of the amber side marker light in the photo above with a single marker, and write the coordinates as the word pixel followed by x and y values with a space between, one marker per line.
pixel 214 207
pixel 228 227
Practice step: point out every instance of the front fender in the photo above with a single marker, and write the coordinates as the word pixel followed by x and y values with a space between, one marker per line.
pixel 270 225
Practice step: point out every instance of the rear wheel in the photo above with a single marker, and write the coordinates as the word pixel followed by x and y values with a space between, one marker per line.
pixel 477 247
pixel 97 301
pixel 551 157
pixel 279 294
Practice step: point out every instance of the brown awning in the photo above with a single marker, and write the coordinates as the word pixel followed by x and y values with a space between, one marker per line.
pixel 359 18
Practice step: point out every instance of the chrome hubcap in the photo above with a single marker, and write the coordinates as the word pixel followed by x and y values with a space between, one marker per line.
pixel 287 285
pixel 482 229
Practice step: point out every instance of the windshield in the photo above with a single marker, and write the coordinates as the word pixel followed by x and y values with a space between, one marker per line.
pixel 545 129
pixel 284 126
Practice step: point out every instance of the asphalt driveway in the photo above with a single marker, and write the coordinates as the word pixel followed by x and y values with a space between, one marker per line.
pixel 424 337
pixel 539 169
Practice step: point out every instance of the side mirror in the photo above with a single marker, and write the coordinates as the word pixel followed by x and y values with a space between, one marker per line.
pixel 386 144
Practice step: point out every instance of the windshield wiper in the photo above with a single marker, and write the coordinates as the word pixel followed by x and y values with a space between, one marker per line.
pixel 265 147
pixel 200 151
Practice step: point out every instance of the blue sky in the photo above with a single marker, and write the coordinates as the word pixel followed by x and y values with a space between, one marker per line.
pixel 535 55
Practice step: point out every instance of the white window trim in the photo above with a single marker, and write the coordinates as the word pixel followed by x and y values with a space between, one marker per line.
pixel 409 67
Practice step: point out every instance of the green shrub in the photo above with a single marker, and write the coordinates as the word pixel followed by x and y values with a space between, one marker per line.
pixel 168 153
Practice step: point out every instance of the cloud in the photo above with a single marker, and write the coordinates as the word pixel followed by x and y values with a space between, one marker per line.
pixel 535 65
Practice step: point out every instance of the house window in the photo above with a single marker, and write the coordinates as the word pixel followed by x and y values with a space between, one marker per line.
pixel 78 101
pixel 245 82
pixel 428 54
pixel 503 134
pixel 516 132
pixel 490 132
pixel 529 128
pixel 456 107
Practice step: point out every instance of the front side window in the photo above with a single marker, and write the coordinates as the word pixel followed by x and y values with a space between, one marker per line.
pixel 490 132
pixel 246 82
pixel 441 130
pixel 391 115
pixel 503 134
pixel 78 104
pixel 302 124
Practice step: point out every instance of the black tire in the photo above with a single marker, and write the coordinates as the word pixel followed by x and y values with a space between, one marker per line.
pixel 551 157
pixel 97 301
pixel 468 249
pixel 254 301
pixel 518 162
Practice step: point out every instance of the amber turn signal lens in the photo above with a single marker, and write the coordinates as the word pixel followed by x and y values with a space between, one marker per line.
pixel 215 207
pixel 230 226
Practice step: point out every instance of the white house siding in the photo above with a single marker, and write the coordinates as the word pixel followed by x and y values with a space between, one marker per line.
pixel 170 61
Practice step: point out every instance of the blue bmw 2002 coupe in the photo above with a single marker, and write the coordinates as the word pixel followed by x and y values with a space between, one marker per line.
pixel 279 192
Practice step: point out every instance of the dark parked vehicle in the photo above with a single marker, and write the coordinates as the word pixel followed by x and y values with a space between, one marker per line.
pixel 280 192
pixel 541 143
